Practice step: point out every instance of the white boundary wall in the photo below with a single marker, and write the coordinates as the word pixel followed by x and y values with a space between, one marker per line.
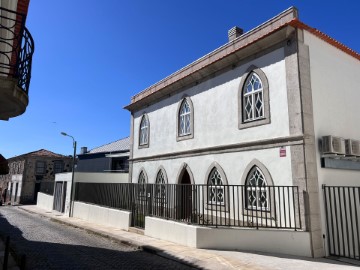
pixel 265 240
pixel 102 215
pixel 45 201
pixel 94 177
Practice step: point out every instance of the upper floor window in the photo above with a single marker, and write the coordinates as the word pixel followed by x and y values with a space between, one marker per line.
pixel 144 131
pixel 185 119
pixel 254 107
pixel 253 101
pixel 58 166
pixel 256 190
pixel 40 167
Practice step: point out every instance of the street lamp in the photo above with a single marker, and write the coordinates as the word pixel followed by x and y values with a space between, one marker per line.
pixel 72 176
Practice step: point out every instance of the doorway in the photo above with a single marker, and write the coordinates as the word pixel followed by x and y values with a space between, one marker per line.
pixel 184 200
pixel 16 192
pixel 36 190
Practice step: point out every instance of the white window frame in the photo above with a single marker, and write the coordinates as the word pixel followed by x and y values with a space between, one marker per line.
pixel 144 131
pixel 243 121
pixel 160 182
pixel 142 181
pixel 181 132
pixel 259 190
pixel 215 187
pixel 252 96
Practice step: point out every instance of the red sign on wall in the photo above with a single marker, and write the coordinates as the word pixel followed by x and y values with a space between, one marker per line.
pixel 282 152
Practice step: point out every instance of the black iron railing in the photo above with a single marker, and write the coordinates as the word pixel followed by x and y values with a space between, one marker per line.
pixel 16 48
pixel 225 206
pixel 47 187
pixel 342 212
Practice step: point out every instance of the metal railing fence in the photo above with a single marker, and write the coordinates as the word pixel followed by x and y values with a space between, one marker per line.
pixel 215 206
pixel 342 212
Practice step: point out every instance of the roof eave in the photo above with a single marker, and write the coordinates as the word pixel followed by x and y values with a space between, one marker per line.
pixel 228 57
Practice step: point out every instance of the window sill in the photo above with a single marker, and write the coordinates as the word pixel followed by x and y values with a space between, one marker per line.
pixel 143 146
pixel 254 123
pixel 184 137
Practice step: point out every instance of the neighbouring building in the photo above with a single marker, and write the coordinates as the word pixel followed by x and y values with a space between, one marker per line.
pixel 111 157
pixel 16 51
pixel 31 172
pixel 4 166
pixel 268 109
pixel 106 164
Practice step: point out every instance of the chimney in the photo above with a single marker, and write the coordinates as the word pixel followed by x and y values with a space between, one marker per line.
pixel 234 33
pixel 83 150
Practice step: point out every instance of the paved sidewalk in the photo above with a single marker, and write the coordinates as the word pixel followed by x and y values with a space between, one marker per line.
pixel 201 258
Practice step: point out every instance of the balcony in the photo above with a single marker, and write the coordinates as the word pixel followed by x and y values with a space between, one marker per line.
pixel 16 51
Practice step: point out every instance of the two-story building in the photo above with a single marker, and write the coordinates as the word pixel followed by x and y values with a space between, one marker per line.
pixel 253 114
pixel 31 172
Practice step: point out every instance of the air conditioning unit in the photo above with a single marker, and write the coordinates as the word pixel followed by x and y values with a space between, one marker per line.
pixel 333 145
pixel 352 148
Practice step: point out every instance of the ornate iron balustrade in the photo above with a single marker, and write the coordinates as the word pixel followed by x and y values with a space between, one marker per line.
pixel 16 48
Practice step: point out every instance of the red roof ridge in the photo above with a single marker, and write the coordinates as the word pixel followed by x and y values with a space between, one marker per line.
pixel 297 23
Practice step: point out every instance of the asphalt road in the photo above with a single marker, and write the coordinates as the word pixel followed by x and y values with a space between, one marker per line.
pixel 50 245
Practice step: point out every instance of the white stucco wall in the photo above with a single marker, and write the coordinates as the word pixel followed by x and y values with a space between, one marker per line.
pixel 101 177
pixel 233 164
pixel 102 215
pixel 287 242
pixel 335 84
pixel 45 201
pixel 215 104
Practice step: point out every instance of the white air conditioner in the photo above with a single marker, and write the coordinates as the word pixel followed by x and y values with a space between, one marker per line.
pixel 352 148
pixel 333 145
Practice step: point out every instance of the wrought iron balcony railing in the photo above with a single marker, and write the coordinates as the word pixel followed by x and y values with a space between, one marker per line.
pixel 16 48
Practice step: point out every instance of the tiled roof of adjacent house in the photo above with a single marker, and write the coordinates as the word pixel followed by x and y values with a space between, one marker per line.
pixel 117 146
pixel 41 153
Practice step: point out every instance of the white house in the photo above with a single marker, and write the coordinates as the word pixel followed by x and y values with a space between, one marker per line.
pixel 253 113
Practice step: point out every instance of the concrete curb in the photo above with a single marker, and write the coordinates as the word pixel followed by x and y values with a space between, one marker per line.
pixel 136 245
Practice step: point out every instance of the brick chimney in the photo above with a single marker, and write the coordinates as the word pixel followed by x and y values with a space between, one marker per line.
pixel 234 33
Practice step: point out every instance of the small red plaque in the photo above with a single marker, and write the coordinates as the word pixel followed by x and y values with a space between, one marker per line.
pixel 282 152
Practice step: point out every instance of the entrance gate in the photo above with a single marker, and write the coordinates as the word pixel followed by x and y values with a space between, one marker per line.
pixel 60 196
pixel 342 212
pixel 141 203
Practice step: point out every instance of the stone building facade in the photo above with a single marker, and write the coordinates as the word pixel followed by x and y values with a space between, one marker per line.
pixel 29 173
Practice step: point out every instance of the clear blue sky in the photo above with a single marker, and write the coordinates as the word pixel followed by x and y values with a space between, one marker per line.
pixel 91 56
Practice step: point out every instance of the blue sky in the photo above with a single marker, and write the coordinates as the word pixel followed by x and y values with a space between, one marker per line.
pixel 91 56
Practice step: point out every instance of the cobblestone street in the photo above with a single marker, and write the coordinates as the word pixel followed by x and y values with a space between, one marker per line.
pixel 50 245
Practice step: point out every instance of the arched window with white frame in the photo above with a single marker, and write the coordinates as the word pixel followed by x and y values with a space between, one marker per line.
pixel 253 100
pixel 185 119
pixel 142 180
pixel 257 195
pixel 215 187
pixel 144 129
pixel 161 181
